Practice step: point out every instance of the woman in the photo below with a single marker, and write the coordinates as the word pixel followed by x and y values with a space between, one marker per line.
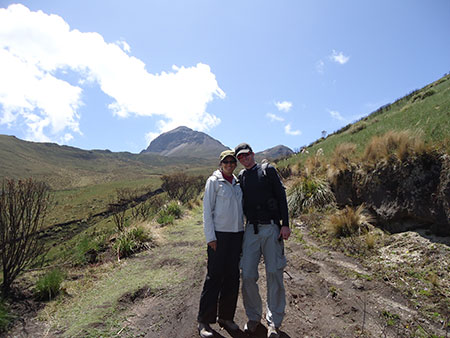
pixel 223 222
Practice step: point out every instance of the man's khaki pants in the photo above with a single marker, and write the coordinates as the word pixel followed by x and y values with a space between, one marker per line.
pixel 264 243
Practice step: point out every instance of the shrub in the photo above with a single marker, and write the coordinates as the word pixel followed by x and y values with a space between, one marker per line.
pixel 23 207
pixel 5 318
pixel 348 222
pixel 308 193
pixel 182 187
pixel 49 285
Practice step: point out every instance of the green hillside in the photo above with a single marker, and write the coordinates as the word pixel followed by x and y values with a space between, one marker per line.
pixel 64 166
pixel 425 112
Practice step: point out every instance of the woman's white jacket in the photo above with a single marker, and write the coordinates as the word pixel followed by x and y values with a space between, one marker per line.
pixel 222 206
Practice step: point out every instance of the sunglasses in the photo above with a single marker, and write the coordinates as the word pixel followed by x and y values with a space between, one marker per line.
pixel 229 162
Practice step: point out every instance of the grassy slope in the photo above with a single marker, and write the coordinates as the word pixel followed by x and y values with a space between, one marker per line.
pixel 94 309
pixel 65 167
pixel 428 115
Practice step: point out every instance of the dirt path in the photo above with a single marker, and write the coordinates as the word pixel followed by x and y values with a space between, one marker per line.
pixel 327 293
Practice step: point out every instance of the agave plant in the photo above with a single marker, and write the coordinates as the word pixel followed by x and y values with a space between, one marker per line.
pixel 309 193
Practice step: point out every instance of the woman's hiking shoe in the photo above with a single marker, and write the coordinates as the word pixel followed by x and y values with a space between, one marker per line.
pixel 228 324
pixel 272 332
pixel 205 330
pixel 251 326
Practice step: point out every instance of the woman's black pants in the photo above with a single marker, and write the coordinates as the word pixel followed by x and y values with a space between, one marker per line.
pixel 221 288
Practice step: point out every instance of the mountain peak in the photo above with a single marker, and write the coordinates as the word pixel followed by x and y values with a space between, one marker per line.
pixel 183 141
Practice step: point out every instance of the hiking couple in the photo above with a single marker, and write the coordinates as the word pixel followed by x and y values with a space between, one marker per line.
pixel 258 194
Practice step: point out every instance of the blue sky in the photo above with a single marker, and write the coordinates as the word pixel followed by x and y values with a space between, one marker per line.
pixel 107 74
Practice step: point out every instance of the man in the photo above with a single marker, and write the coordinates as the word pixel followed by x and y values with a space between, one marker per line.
pixel 264 206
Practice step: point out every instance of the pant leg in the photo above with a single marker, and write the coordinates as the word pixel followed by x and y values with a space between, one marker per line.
pixel 275 261
pixel 230 288
pixel 251 254
pixel 213 283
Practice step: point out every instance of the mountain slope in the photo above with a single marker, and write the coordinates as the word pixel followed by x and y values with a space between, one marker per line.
pixel 425 111
pixel 277 152
pixel 64 166
pixel 184 141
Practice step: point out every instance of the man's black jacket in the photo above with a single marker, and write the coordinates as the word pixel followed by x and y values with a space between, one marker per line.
pixel 264 195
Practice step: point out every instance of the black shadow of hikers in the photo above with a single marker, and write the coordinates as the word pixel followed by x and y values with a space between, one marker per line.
pixel 261 332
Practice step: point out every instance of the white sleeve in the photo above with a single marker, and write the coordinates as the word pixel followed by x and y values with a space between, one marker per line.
pixel 209 201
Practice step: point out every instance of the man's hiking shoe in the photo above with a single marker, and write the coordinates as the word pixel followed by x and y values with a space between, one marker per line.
pixel 228 324
pixel 205 330
pixel 272 332
pixel 251 326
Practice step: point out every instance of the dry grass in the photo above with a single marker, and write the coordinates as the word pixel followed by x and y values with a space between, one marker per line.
pixel 315 165
pixel 348 222
pixel 398 144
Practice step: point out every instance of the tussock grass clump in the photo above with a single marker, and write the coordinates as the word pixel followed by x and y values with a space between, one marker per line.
pixel 348 222
pixel 85 251
pixel 307 193
pixel 48 286
pixel 397 144
pixel 131 241
pixel 315 165
pixel 169 213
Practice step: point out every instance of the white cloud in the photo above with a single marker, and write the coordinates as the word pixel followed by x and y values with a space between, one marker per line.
pixel 36 47
pixel 124 45
pixel 289 131
pixel 284 106
pixel 339 57
pixel 274 117
pixel 336 115
pixel 320 66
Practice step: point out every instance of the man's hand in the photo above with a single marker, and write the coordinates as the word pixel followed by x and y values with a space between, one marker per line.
pixel 285 232
pixel 213 245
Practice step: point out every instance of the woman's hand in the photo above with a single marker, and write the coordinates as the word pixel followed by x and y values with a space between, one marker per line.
pixel 213 245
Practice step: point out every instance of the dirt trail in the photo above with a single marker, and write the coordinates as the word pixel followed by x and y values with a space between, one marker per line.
pixel 328 295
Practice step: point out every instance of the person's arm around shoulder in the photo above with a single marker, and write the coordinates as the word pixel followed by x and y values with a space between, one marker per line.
pixel 209 202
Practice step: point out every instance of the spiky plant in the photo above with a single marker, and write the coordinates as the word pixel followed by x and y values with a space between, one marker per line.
pixel 349 222
pixel 307 193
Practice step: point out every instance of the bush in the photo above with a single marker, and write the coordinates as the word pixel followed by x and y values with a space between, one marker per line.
pixel 182 187
pixel 49 285
pixel 308 193
pixel 23 207
pixel 5 318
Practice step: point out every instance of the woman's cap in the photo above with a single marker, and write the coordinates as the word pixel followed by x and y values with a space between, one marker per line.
pixel 226 153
